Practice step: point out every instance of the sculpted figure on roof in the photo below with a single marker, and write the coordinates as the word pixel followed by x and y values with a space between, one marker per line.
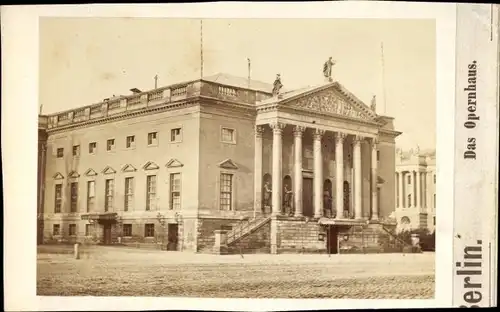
pixel 327 69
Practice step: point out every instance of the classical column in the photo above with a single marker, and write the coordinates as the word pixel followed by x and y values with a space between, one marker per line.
pixel 297 170
pixel 357 177
pixel 259 130
pixel 339 184
pixel 374 180
pixel 401 193
pixel 277 158
pixel 418 196
pixel 318 173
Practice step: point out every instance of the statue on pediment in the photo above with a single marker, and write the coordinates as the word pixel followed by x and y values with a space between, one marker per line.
pixel 277 85
pixel 327 69
pixel 373 105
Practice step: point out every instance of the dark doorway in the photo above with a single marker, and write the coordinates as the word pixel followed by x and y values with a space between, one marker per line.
pixel 332 240
pixel 347 199
pixel 173 236
pixel 106 238
pixel 307 197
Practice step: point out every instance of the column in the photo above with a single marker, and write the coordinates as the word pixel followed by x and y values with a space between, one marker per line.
pixel 277 158
pixel 297 170
pixel 339 183
pixel 357 177
pixel 259 130
pixel 374 178
pixel 401 193
pixel 318 173
pixel 418 196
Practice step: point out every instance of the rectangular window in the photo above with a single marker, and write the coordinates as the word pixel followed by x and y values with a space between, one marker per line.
pixel 88 230
pixel 72 230
pixel 129 193
pixel 176 135
pixel 409 200
pixel 92 148
pixel 74 197
pixel 90 195
pixel 175 191
pixel 378 155
pixel 434 201
pixel 60 152
pixel 152 138
pixel 109 191
pixel 434 220
pixel 149 230
pixel 151 192
pixel 56 229
pixel 409 179
pixel 434 179
pixel 76 150
pixel 110 145
pixel 127 230
pixel 226 191
pixel 58 198
pixel 227 135
pixel 130 143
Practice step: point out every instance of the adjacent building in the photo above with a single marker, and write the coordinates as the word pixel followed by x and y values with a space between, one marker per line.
pixel 219 162
pixel 416 190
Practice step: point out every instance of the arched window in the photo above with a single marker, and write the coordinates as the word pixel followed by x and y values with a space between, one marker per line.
pixel 405 220
pixel 266 192
pixel 347 194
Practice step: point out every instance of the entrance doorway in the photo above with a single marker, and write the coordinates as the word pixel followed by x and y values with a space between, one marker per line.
pixel 307 197
pixel 332 240
pixel 173 236
pixel 106 238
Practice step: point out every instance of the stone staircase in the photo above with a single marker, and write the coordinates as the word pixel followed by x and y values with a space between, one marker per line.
pixel 243 230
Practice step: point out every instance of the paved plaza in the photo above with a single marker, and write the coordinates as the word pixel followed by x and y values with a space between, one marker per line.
pixel 114 271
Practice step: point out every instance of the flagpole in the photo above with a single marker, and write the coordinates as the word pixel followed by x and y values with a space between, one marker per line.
pixel 201 49
pixel 383 76
pixel 249 68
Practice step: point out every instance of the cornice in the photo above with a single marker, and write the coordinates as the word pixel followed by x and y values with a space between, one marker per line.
pixel 128 115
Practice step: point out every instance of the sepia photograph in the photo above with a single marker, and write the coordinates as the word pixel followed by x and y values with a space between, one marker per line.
pixel 237 158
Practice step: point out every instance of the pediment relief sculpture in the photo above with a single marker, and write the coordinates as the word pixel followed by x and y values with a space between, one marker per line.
pixel 329 101
pixel 174 163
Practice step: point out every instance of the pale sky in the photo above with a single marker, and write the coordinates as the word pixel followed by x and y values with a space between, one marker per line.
pixel 84 60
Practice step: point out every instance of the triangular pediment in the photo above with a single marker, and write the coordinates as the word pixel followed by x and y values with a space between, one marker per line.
pixel 129 168
pixel 73 174
pixel 228 164
pixel 90 173
pixel 150 166
pixel 108 170
pixel 58 176
pixel 332 99
pixel 380 180
pixel 174 163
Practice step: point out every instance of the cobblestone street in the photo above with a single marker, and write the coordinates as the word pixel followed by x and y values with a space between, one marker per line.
pixel 106 271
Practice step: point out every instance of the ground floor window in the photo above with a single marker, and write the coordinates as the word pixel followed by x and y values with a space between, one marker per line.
pixel 226 191
pixel 56 229
pixel 149 230
pixel 127 230
pixel 87 229
pixel 72 230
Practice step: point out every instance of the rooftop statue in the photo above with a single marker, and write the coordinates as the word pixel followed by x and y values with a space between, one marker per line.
pixel 277 85
pixel 327 69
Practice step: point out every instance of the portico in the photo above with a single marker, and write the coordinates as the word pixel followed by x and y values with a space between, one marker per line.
pixel 342 134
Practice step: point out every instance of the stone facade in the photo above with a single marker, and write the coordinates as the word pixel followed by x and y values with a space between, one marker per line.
pixel 194 158
pixel 416 190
